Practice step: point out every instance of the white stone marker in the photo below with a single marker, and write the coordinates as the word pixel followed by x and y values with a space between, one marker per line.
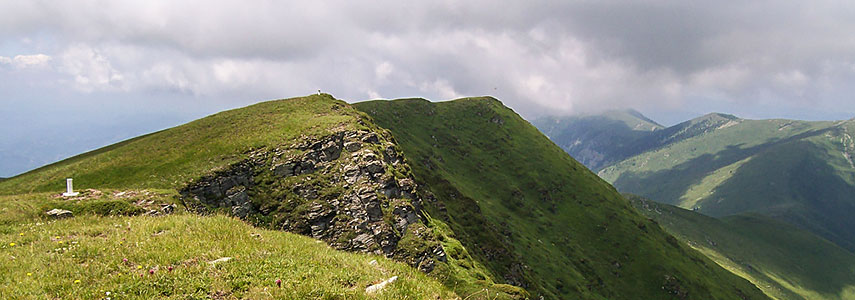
pixel 69 189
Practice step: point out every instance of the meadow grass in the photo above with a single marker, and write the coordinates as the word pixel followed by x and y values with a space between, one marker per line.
pixel 91 256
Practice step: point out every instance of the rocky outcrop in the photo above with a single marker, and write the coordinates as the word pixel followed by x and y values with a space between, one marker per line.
pixel 351 189
pixel 57 213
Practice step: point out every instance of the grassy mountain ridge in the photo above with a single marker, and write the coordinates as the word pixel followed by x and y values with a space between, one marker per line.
pixel 242 162
pixel 798 172
pixel 794 171
pixel 193 149
pixel 782 260
pixel 488 191
pixel 549 222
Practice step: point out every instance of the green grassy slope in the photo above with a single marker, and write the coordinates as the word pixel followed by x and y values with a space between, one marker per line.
pixel 534 215
pixel 784 261
pixel 794 171
pixel 173 157
pixel 99 255
pixel 598 140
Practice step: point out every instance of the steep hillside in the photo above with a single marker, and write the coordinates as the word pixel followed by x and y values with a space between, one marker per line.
pixel 794 171
pixel 310 165
pixel 598 140
pixel 535 216
pixel 783 261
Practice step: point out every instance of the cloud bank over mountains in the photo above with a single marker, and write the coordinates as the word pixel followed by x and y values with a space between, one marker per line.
pixel 669 59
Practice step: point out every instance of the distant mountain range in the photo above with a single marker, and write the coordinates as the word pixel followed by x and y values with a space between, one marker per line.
pixel 798 172
pixel 599 140
pixel 783 190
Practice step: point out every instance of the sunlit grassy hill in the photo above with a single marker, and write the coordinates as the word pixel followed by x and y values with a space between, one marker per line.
pixel 172 158
pixel 82 257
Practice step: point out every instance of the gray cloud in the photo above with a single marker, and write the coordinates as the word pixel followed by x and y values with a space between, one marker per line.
pixel 670 59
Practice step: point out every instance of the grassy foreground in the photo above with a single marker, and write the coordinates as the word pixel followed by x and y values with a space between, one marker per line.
pixel 91 256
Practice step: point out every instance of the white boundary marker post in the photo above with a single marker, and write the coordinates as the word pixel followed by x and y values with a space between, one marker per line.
pixel 69 189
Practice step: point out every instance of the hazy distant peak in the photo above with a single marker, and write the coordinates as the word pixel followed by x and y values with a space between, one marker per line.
pixel 715 116
pixel 633 119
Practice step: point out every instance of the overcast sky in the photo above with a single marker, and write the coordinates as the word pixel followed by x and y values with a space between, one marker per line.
pixel 77 75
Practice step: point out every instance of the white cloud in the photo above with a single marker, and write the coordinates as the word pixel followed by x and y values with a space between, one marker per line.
pixel 553 56
pixel 792 78
pixel 31 61
pixel 440 87
pixel 90 69
pixel 382 71
pixel 27 61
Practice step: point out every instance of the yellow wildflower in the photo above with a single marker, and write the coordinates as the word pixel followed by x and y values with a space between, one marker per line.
pixel 29 274
pixel 139 267
pixel 77 281
pixel 12 244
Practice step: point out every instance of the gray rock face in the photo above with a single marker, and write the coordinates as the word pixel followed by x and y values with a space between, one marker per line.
pixel 341 188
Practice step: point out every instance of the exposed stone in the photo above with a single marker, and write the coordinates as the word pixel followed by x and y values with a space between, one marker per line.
pixel 427 265
pixel 220 260
pixel 167 209
pixel 376 288
pixel 352 146
pixel 285 169
pixel 371 138
pixel 439 253
pixel 352 202
pixel 57 213
pixel 374 167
